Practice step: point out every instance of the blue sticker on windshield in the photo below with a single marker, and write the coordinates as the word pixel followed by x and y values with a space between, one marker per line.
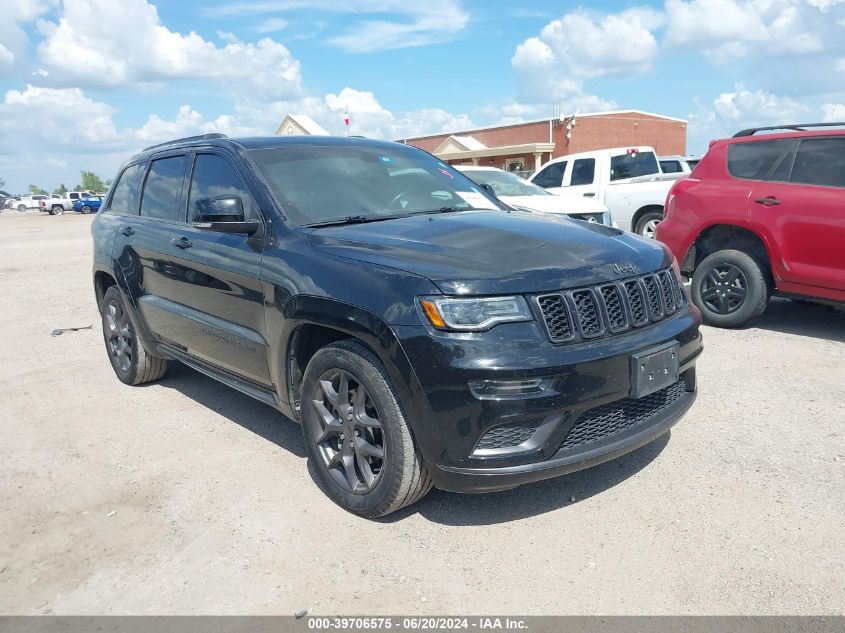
pixel 385 159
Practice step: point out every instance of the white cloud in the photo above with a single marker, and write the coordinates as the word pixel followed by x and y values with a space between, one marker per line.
pixel 728 30
pixel 416 23
pixel 824 5
pixel 13 39
pixel 136 48
pixel 833 112
pixel 272 25
pixel 582 45
pixel 739 109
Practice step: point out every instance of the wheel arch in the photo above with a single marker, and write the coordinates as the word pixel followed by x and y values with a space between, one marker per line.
pixel 717 237
pixel 311 323
pixel 639 213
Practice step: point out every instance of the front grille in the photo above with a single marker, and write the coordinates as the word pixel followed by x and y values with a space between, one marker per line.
pixel 585 313
pixel 615 417
pixel 507 436
pixel 558 323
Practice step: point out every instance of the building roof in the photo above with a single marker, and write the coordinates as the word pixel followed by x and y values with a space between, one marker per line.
pixel 299 124
pixel 579 115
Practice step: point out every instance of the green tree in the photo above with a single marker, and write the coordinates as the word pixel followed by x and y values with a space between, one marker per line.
pixel 35 190
pixel 2 183
pixel 92 182
pixel 61 189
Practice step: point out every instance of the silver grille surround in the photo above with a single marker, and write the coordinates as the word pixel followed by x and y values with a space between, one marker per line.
pixel 660 295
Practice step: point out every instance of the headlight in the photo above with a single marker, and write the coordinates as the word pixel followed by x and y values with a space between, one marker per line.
pixel 474 314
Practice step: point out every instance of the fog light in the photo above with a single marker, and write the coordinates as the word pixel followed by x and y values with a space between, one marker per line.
pixel 510 389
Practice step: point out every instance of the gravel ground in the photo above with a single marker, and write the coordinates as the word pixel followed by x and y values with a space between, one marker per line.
pixel 187 497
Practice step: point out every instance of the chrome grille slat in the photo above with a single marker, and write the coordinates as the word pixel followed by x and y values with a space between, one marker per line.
pixel 610 308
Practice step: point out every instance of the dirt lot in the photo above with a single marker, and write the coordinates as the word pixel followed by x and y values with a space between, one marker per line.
pixel 187 497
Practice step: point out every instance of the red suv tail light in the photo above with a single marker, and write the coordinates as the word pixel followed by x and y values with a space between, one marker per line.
pixel 42 203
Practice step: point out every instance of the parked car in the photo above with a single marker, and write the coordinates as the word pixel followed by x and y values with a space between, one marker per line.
pixel 682 165
pixel 762 215
pixel 30 202
pixel 88 205
pixel 517 192
pixel 626 180
pixel 4 197
pixel 58 204
pixel 422 333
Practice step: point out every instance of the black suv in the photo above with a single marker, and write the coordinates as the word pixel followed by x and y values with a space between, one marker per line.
pixel 422 332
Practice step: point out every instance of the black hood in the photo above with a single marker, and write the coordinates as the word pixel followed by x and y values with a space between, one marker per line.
pixel 495 252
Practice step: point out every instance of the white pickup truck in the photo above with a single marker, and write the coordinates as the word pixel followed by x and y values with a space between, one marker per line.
pixel 627 180
pixel 57 204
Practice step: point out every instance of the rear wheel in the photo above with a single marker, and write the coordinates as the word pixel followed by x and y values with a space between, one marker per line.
pixel 647 224
pixel 57 210
pixel 730 288
pixel 356 433
pixel 86 209
pixel 130 361
pixel 21 207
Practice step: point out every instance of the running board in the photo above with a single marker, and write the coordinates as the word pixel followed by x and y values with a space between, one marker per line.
pixel 261 394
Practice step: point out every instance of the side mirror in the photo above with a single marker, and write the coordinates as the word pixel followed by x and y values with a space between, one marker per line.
pixel 223 214
pixel 489 189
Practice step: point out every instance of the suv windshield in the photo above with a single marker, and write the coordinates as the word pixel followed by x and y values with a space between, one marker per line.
pixel 319 184
pixel 504 183
pixel 633 165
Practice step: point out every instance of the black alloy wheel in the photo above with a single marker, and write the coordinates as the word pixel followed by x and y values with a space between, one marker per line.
pixel 358 439
pixel 730 288
pixel 351 440
pixel 118 336
pixel 724 289
pixel 131 362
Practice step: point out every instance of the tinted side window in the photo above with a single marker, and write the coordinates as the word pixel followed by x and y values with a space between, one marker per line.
pixel 551 176
pixel 633 165
pixel 820 161
pixel 752 161
pixel 126 197
pixel 163 189
pixel 670 166
pixel 583 171
pixel 214 176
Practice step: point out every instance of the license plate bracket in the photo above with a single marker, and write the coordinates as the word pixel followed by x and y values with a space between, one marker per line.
pixel 654 369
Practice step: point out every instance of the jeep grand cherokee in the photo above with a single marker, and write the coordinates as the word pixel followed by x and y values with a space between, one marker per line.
pixel 423 333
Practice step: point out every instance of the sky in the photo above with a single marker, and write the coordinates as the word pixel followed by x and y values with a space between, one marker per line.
pixel 86 83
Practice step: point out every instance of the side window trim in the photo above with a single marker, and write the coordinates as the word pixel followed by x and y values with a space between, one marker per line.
pixel 195 154
pixel 182 201
pixel 798 144
pixel 112 190
pixel 788 157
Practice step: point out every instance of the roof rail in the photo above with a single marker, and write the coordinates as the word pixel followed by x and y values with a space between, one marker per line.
pixel 201 137
pixel 800 127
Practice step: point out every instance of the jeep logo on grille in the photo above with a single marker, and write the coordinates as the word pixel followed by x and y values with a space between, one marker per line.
pixel 624 269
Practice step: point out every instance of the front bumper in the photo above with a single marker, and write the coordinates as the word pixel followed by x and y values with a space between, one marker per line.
pixel 591 380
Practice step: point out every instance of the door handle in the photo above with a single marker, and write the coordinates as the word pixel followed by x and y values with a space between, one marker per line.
pixel 181 242
pixel 127 231
pixel 589 195
pixel 769 201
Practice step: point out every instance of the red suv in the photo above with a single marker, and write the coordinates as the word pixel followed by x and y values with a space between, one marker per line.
pixel 762 215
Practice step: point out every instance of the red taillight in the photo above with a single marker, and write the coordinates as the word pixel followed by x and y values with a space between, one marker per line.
pixel 42 203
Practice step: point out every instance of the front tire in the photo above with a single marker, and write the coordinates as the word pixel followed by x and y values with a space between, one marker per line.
pixel 21 208
pixel 647 224
pixel 86 209
pixel 730 289
pixel 130 361
pixel 356 433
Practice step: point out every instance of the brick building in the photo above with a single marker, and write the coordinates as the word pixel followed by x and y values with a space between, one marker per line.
pixel 526 146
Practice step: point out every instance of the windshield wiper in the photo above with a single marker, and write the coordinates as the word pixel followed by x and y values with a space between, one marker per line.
pixel 349 219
